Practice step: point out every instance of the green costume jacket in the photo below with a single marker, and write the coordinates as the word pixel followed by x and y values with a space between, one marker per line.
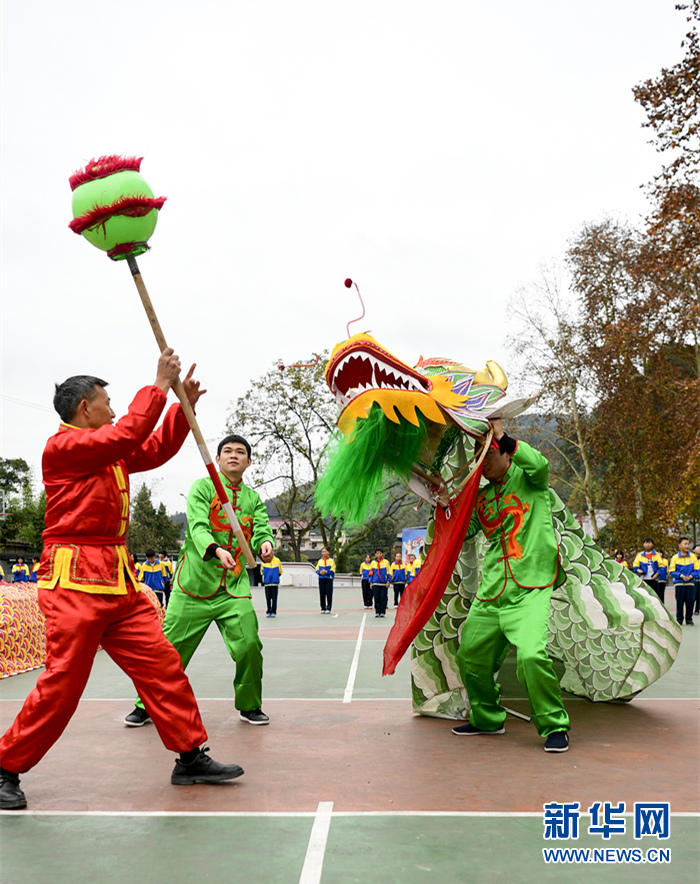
pixel 515 514
pixel 200 573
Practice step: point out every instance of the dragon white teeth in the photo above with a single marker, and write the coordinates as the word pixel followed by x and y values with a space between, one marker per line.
pixel 392 377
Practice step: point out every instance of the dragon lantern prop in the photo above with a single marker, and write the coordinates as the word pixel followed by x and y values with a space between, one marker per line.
pixel 425 424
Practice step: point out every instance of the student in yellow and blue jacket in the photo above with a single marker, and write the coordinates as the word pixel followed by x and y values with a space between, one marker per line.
pixel 684 570
pixel 647 563
pixel 325 569
pixel 378 577
pixel 20 571
pixel 410 568
pixel 35 569
pixel 152 573
pixel 168 571
pixel 398 578
pixel 271 572
pixel 366 585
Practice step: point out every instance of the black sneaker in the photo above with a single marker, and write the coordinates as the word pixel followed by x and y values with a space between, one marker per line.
pixel 255 716
pixel 11 796
pixel 137 718
pixel 557 742
pixel 689 623
pixel 470 731
pixel 203 770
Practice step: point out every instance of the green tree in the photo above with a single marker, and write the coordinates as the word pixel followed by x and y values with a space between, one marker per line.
pixel 14 472
pixel 24 511
pixel 636 343
pixel 549 347
pixel 150 527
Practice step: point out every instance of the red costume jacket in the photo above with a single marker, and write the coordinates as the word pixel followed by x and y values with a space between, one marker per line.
pixel 86 475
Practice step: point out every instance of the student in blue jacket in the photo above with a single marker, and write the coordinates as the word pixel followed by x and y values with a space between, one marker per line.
pixel 325 569
pixel 378 577
pixel 271 572
pixel 398 578
pixel 684 570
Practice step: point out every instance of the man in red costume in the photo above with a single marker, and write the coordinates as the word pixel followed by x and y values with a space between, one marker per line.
pixel 88 588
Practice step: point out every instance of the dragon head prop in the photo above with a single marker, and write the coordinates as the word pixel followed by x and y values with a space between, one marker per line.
pixel 361 373
pixel 397 419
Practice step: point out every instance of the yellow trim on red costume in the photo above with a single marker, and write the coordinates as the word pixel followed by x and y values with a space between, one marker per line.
pixel 62 563
pixel 124 498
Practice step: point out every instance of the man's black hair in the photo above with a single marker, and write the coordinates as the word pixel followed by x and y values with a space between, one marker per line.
pixel 681 539
pixel 648 540
pixel 150 553
pixel 162 553
pixel 233 438
pixel 72 391
pixel 378 550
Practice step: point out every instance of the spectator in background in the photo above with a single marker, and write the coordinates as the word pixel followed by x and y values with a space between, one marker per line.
pixel 35 568
pixel 378 576
pixel 271 572
pixel 325 569
pixel 684 570
pixel 20 571
pixel 662 579
pixel 410 576
pixel 398 578
pixel 620 558
pixel 168 571
pixel 152 573
pixel 696 553
pixel 646 564
pixel 366 585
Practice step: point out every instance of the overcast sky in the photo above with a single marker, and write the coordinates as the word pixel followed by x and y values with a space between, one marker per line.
pixel 437 153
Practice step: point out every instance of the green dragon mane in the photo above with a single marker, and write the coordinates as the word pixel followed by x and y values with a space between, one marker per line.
pixel 354 482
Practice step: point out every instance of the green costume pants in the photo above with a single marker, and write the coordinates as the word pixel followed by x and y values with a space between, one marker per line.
pixel 519 617
pixel 187 620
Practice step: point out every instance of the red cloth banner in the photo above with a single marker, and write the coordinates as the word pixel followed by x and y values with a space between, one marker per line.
pixel 422 595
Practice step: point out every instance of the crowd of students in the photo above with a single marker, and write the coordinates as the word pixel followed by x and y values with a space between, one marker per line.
pixel 683 572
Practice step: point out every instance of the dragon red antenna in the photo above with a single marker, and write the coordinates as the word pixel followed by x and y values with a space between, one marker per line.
pixel 348 284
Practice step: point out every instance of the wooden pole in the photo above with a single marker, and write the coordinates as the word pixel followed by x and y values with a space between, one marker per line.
pixel 190 415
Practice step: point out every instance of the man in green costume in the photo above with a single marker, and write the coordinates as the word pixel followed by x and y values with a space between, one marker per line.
pixel 211 582
pixel 520 570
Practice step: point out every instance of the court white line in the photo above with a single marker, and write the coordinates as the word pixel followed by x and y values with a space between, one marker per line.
pixel 306 814
pixel 355 699
pixel 315 852
pixel 347 696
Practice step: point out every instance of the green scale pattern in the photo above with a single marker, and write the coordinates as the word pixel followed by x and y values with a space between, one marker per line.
pixel 613 636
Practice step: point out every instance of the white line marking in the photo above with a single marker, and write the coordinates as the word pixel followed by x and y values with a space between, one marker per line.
pixel 304 814
pixel 315 852
pixel 347 696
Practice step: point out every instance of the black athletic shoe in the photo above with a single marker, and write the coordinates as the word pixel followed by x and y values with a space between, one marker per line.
pixel 255 716
pixel 470 731
pixel 11 796
pixel 203 770
pixel 137 718
pixel 557 742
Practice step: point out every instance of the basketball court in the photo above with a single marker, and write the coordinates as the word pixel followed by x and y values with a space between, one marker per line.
pixel 346 784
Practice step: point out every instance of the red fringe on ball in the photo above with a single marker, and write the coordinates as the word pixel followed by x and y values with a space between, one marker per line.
pixel 128 248
pixel 133 206
pixel 103 166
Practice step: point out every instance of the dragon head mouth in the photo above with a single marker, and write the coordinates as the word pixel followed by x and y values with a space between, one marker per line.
pixel 362 373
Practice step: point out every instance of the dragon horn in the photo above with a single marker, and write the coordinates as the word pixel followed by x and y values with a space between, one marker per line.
pixel 492 374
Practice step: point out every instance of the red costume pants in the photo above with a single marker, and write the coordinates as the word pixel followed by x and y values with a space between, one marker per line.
pixel 128 629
